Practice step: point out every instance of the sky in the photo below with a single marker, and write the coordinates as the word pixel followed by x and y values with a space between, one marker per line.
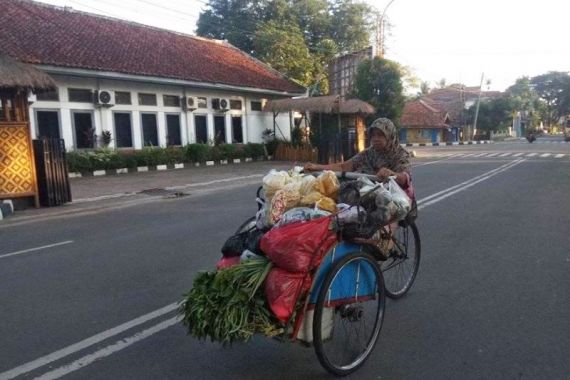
pixel 455 40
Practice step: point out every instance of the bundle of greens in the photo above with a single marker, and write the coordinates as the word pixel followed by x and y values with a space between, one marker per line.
pixel 229 305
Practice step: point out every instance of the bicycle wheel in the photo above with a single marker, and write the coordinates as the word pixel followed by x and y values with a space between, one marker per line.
pixel 401 268
pixel 346 327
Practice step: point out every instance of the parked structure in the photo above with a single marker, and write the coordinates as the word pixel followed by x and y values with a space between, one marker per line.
pixel 146 86
pixel 17 169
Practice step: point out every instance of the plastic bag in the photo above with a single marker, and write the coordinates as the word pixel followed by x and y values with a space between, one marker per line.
pixel 226 262
pixel 300 214
pixel 299 247
pixel 401 200
pixel 306 185
pixel 327 204
pixel 273 181
pixel 277 208
pixel 327 184
pixel 282 289
pixel 235 245
pixel 311 198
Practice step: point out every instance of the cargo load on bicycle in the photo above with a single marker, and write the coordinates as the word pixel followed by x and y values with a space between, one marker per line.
pixel 307 265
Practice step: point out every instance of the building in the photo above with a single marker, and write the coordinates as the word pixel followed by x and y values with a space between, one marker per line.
pixel 138 85
pixel 422 122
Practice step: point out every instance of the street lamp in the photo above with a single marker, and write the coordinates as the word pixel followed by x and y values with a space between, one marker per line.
pixel 380 31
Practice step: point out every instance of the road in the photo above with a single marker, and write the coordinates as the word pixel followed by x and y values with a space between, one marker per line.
pixel 93 296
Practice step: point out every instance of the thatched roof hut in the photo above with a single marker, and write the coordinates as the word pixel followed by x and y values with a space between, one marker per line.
pixel 320 104
pixel 15 75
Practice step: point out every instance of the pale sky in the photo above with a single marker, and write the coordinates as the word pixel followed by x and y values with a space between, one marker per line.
pixel 452 39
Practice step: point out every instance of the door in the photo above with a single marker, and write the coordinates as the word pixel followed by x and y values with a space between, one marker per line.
pixel 150 129
pixel 219 129
pixel 123 130
pixel 83 130
pixel 237 130
pixel 201 126
pixel 173 130
pixel 47 124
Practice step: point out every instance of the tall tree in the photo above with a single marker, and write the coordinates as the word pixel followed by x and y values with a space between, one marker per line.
pixel 284 49
pixel 550 88
pixel 378 81
pixel 351 25
pixel 494 115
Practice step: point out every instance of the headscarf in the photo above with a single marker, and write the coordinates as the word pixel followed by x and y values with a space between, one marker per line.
pixel 388 128
pixel 394 157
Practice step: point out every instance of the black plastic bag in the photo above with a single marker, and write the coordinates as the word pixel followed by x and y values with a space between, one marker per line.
pixel 235 244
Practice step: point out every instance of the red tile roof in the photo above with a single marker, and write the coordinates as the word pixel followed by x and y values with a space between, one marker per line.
pixel 42 34
pixel 420 114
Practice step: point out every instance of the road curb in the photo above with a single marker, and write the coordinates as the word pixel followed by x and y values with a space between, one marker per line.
pixel 181 165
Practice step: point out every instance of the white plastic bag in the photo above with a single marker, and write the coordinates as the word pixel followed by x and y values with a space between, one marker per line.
pixel 400 200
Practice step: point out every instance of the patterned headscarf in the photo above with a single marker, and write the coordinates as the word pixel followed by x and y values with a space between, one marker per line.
pixel 388 128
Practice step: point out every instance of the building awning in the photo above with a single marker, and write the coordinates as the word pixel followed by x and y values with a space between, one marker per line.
pixel 320 104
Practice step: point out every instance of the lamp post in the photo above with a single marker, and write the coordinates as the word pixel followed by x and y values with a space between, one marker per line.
pixel 380 31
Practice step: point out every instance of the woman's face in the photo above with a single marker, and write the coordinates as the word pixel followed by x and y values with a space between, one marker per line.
pixel 377 140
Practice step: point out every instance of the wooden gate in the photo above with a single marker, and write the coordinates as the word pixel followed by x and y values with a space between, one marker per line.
pixel 17 173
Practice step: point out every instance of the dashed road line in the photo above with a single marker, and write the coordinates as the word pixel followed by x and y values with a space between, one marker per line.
pixel 35 249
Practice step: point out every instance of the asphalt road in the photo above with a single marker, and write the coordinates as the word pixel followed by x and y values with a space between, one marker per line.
pixel 491 300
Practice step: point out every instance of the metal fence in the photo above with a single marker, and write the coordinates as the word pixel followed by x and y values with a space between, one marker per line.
pixel 51 171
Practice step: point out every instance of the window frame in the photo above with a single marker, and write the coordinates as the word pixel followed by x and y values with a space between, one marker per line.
pixel 139 94
pixel 74 130
pixel 142 129
pixel 70 89
pixel 166 114
pixel 124 92
pixel 115 130
pixel 37 124
pixel 260 105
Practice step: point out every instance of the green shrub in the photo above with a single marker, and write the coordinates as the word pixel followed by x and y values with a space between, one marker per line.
pixel 214 154
pixel 196 152
pixel 227 151
pixel 272 145
pixel 88 161
pixel 253 150
pixel 78 161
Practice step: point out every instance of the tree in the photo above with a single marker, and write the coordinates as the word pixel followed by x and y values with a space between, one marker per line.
pixel 442 83
pixel 552 89
pixel 378 81
pixel 351 25
pixel 284 49
pixel 424 88
pixel 494 115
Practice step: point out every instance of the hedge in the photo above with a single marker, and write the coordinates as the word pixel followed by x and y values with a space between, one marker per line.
pixel 107 159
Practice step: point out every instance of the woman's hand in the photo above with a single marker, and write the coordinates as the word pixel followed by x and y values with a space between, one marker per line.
pixel 310 167
pixel 384 173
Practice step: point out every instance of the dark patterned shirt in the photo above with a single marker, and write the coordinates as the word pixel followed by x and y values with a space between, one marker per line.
pixel 370 161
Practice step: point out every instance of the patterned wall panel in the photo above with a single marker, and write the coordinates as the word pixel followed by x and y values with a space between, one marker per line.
pixel 16 170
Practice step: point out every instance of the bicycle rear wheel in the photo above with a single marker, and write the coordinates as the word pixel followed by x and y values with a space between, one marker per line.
pixel 401 268
pixel 346 329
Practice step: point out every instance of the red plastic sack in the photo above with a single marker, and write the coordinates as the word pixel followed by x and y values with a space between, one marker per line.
pixel 282 289
pixel 293 246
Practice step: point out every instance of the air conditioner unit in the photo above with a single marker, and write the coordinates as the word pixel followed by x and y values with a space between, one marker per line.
pixel 104 98
pixel 192 102
pixel 223 104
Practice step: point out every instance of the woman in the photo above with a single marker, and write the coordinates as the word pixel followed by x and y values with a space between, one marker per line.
pixel 384 157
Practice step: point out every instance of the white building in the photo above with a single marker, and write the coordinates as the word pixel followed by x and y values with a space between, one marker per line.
pixel 146 86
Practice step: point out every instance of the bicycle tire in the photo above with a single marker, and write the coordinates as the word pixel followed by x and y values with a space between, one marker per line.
pixel 321 343
pixel 400 271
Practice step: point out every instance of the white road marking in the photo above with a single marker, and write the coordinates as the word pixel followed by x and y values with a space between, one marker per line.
pixel 44 360
pixel 36 249
pixel 545 155
pixel 505 154
pixel 518 154
pixel 480 155
pixel 559 156
pixel 492 154
pixel 111 349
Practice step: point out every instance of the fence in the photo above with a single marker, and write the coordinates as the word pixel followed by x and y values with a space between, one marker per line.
pixel 51 169
pixel 289 153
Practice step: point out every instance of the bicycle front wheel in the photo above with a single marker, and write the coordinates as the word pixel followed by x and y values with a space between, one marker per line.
pixel 401 268
pixel 348 314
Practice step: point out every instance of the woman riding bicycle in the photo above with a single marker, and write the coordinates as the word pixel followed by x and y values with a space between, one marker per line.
pixel 384 158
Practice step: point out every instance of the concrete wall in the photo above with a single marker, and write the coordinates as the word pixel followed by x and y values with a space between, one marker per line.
pixel 423 135
pixel 253 122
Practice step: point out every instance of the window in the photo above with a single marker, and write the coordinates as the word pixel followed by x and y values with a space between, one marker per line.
pixel 48 124
pixel 255 105
pixel 235 104
pixel 84 131
pixel 150 129
pixel 147 99
pixel 237 131
pixel 123 129
pixel 219 129
pixel 171 101
pixel 48 96
pixel 80 95
pixel 202 103
pixel 122 97
pixel 173 130
pixel 201 129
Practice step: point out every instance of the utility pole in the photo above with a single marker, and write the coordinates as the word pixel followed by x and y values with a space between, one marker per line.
pixel 477 109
